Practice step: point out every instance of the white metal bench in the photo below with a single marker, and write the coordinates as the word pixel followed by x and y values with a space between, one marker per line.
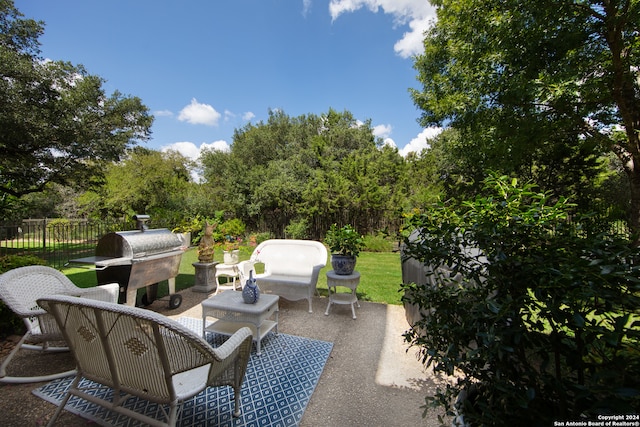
pixel 291 267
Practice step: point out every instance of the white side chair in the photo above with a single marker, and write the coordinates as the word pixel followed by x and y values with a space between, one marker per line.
pixel 19 290
pixel 137 352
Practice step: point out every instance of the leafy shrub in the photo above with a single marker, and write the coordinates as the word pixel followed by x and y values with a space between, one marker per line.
pixel 538 315
pixel 9 322
pixel 377 243
pixel 232 228
pixel 297 229
pixel 189 225
pixel 261 237
pixel 9 262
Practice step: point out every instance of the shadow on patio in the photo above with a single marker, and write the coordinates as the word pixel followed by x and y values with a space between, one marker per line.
pixel 370 379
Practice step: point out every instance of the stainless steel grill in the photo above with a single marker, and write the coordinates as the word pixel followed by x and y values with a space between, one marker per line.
pixel 138 258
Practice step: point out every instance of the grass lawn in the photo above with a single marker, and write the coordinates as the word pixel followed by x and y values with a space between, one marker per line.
pixel 380 275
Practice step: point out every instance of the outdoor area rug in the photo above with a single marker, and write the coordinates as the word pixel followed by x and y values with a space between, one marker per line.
pixel 277 387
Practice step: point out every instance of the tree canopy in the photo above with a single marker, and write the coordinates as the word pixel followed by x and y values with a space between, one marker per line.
pixel 57 125
pixel 540 89
pixel 316 169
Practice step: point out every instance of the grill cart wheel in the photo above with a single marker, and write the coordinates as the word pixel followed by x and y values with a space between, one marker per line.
pixel 150 296
pixel 174 301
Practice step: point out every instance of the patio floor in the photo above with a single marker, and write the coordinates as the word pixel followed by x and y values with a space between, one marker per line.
pixel 370 379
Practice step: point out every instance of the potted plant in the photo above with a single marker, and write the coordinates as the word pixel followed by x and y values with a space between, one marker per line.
pixel 345 244
pixel 231 250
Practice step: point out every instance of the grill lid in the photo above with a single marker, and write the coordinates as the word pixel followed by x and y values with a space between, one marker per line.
pixel 138 243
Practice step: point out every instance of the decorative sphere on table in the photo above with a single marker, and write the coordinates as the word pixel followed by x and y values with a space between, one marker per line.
pixel 251 291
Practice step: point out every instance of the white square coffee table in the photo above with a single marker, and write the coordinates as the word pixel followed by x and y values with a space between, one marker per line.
pixel 232 313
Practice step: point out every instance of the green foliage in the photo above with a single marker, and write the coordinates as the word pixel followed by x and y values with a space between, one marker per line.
pixel 297 229
pixel 9 322
pixel 189 225
pixel 9 262
pixel 148 182
pixel 344 240
pixel 261 237
pixel 538 314
pixel 232 228
pixel 317 166
pixel 537 89
pixel 56 123
pixel 377 243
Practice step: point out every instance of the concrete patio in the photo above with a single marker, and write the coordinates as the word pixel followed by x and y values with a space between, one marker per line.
pixel 370 379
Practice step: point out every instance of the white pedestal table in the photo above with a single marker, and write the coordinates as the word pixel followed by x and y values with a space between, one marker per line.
pixel 350 281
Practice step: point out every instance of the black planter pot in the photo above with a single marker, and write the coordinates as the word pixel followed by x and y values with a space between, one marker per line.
pixel 343 264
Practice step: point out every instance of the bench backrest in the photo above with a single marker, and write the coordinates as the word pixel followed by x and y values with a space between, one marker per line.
pixel 128 348
pixel 290 256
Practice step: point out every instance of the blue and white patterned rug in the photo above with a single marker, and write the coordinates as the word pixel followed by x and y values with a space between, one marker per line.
pixel 275 392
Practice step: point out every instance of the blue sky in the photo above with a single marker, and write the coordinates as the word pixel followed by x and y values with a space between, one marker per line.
pixel 206 68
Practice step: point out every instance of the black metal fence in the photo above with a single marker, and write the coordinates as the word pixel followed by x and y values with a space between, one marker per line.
pixel 55 240
pixel 60 240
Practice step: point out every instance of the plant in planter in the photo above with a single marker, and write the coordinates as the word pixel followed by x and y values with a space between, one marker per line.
pixel 345 244
pixel 231 250
pixel 532 312
pixel 231 230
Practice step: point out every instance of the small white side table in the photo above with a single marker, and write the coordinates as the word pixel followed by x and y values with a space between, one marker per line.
pixel 350 281
pixel 231 272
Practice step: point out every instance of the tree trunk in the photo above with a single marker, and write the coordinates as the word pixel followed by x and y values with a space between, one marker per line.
pixel 634 216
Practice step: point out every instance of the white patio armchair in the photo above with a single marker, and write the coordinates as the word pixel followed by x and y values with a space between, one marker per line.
pixel 145 354
pixel 19 290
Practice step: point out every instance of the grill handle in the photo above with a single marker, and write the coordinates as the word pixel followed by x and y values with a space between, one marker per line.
pixel 141 222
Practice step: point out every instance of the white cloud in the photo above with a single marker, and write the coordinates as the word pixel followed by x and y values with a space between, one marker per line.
pixel 416 13
pixel 383 131
pixel 187 149
pixel 248 116
pixel 306 7
pixel 411 42
pixel 199 114
pixel 192 151
pixel 220 145
pixel 419 143
pixel 163 113
pixel 228 115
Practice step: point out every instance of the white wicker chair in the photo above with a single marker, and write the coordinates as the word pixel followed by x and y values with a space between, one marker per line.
pixel 145 354
pixel 19 290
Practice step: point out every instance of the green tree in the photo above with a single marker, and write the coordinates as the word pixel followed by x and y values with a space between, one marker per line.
pixel 311 166
pixel 537 88
pixel 56 123
pixel 532 313
pixel 150 182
